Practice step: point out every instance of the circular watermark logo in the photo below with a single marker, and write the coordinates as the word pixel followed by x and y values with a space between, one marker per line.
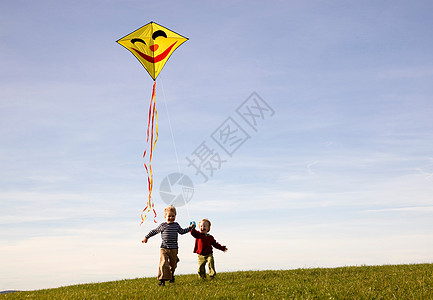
pixel 176 189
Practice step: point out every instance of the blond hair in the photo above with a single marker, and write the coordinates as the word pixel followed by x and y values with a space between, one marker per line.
pixel 205 220
pixel 170 208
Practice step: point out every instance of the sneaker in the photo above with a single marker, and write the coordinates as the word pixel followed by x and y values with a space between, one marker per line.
pixel 161 282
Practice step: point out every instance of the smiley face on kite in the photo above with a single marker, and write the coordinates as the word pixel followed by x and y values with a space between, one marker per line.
pixel 152 45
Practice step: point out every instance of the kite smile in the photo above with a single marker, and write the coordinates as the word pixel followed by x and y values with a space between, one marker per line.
pixel 157 58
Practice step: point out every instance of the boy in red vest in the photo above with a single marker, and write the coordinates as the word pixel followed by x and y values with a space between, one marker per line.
pixel 203 247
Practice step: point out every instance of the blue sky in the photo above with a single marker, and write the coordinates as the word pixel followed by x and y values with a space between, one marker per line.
pixel 341 173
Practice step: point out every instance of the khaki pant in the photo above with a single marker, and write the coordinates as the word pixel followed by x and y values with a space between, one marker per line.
pixel 202 260
pixel 167 263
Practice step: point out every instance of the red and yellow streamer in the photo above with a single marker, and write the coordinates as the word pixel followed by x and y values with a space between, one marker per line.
pixel 152 124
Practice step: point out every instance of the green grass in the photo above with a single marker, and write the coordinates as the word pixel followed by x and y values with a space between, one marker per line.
pixel 365 282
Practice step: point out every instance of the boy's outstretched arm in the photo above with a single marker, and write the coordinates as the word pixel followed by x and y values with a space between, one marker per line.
pixel 184 230
pixel 152 233
pixel 196 233
pixel 219 246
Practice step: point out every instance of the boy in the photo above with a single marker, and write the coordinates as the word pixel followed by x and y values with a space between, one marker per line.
pixel 203 247
pixel 168 255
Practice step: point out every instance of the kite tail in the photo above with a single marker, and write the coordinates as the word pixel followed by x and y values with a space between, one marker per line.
pixel 152 124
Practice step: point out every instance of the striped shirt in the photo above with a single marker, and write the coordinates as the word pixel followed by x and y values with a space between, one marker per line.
pixel 169 233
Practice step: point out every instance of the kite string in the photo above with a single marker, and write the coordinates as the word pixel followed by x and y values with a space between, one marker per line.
pixel 174 143
pixel 169 125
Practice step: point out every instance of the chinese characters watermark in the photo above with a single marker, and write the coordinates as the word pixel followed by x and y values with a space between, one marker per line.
pixel 229 136
pixel 254 109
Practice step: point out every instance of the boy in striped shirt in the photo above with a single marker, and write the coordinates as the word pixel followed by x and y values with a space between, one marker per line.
pixel 169 248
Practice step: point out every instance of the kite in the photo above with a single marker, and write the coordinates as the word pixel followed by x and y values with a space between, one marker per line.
pixel 152 45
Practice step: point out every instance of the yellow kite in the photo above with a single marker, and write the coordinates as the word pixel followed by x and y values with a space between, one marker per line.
pixel 152 45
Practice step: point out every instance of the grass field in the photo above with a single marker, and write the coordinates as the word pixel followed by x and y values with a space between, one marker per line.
pixel 365 282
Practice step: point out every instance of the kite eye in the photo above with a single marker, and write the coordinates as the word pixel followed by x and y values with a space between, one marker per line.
pixel 159 33
pixel 137 40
